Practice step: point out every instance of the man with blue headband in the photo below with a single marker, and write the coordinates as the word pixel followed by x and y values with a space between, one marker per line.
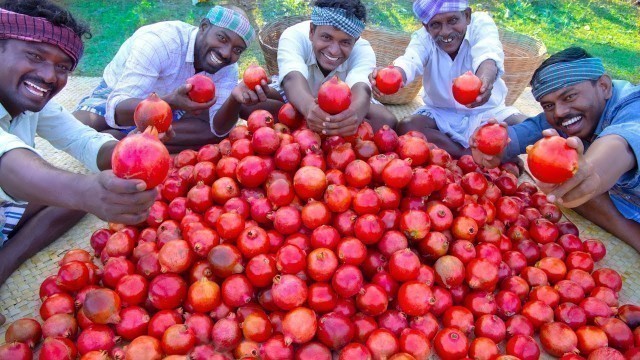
pixel 452 41
pixel 312 52
pixel 601 119
pixel 160 58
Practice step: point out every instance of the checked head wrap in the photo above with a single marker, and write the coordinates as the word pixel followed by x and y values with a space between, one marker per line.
pixel 337 17
pixel 28 28
pixel 562 74
pixel 425 10
pixel 230 19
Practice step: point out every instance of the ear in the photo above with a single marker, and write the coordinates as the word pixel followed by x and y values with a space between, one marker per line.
pixel 204 24
pixel 467 14
pixel 312 29
pixel 605 85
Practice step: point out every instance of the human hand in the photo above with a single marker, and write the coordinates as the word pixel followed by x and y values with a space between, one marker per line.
pixel 180 100
pixel 113 199
pixel 372 79
pixel 164 137
pixel 344 124
pixel 316 117
pixel 245 96
pixel 480 158
pixel 485 92
pixel 581 187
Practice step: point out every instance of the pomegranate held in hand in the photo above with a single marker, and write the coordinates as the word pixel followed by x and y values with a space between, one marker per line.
pixel 551 160
pixel 334 96
pixel 389 80
pixel 153 111
pixel 466 88
pixel 141 156
pixel 253 76
pixel 491 139
pixel 202 88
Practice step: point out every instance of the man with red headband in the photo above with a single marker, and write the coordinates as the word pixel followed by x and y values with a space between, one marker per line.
pixel 40 45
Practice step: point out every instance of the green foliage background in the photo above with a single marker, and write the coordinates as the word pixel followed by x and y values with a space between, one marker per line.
pixel 609 29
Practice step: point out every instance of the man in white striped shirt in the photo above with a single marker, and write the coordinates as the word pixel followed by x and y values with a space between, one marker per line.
pixel 160 58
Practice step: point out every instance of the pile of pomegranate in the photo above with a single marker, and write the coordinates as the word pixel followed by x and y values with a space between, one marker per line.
pixel 279 244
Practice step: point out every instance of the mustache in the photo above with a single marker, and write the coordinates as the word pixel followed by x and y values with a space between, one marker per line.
pixel 452 36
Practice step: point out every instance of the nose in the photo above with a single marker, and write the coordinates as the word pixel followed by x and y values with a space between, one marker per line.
pixel 225 52
pixel 47 72
pixel 561 110
pixel 334 49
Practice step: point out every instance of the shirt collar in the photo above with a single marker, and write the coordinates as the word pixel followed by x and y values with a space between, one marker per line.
pixel 190 57
pixel 4 113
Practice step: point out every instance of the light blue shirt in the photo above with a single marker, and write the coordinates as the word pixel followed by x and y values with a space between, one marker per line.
pixel 621 117
pixel 56 125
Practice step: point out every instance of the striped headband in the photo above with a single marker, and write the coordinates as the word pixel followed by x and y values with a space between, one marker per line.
pixel 338 18
pixel 425 10
pixel 29 28
pixel 560 75
pixel 232 20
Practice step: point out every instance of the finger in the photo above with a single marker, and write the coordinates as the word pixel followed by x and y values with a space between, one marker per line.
pixel 550 132
pixel 114 184
pixel 137 201
pixel 340 124
pixel 129 219
pixel 184 89
pixel 579 195
pixel 576 143
pixel 253 97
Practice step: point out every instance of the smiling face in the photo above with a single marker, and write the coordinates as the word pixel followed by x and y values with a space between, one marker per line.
pixel 216 48
pixel 331 46
pixel 448 30
pixel 576 110
pixel 32 73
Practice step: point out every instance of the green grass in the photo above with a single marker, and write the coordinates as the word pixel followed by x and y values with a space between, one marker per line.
pixel 608 29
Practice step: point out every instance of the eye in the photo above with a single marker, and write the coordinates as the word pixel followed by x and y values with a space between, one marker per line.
pixel 238 50
pixel 34 57
pixel 434 26
pixel 453 21
pixel 325 37
pixel 222 38
pixel 547 107
pixel 64 68
pixel 570 97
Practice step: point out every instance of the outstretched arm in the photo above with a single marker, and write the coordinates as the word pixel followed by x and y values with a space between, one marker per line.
pixel 596 172
pixel 28 177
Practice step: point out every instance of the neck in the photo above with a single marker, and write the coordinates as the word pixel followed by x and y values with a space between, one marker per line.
pixel 12 110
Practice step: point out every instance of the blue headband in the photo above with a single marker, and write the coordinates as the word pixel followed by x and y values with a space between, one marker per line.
pixel 560 75
pixel 338 18
pixel 229 19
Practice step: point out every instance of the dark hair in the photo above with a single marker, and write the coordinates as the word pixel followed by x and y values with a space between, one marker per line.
pixel 52 12
pixel 352 7
pixel 566 55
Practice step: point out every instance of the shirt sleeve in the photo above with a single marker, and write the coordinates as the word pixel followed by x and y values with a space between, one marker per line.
pixel 626 124
pixel 524 134
pixel 485 41
pixel 363 62
pixel 10 142
pixel 225 81
pixel 141 70
pixel 416 55
pixel 292 48
pixel 66 133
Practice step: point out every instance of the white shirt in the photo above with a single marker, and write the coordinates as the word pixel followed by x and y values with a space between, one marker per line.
pixel 295 53
pixel 159 58
pixel 424 57
pixel 56 125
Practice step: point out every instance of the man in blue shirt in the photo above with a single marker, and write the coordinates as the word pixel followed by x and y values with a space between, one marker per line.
pixel 601 119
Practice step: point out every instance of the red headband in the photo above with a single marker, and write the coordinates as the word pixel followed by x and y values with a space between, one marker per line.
pixel 24 27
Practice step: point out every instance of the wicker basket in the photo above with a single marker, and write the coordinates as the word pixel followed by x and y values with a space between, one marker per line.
pixel 522 56
pixel 386 44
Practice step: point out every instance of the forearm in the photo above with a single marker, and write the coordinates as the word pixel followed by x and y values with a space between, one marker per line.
pixel 227 116
pixel 28 177
pixel 104 155
pixel 361 100
pixel 298 93
pixel 488 70
pixel 600 154
pixel 124 112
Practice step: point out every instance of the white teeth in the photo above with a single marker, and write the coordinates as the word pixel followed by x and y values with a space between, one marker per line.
pixel 214 58
pixel 447 41
pixel 35 89
pixel 330 58
pixel 571 121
